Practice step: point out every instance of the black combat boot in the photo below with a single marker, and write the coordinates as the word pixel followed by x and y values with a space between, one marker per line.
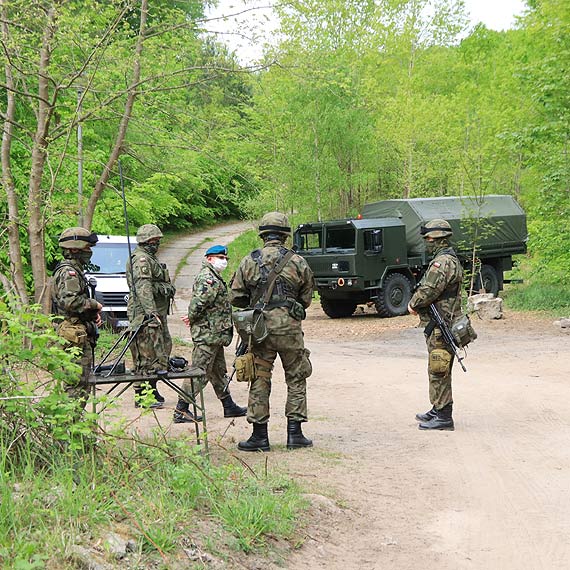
pixel 183 415
pixel 231 409
pixel 295 437
pixel 258 441
pixel 139 394
pixel 157 396
pixel 442 420
pixel 427 416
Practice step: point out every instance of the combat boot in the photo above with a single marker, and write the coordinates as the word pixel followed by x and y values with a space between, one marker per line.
pixel 139 394
pixel 231 409
pixel 295 437
pixel 183 415
pixel 441 421
pixel 157 396
pixel 427 416
pixel 258 441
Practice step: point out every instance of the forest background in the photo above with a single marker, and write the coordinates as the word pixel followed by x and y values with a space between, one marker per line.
pixel 356 100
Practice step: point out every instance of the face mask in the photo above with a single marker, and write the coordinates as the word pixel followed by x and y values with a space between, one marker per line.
pixel 151 248
pixel 85 256
pixel 219 264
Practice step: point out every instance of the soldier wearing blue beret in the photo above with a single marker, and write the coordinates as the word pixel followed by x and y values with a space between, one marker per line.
pixel 210 321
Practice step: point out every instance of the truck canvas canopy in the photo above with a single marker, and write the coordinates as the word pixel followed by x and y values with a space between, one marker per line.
pixel 499 221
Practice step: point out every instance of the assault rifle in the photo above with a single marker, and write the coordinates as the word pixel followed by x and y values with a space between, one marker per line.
pixel 241 349
pixel 448 338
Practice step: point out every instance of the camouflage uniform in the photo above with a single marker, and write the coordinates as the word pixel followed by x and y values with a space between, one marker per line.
pixel 210 315
pixel 441 285
pixel 70 298
pixel 292 293
pixel 151 293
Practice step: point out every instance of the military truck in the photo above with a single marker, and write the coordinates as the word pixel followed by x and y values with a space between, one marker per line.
pixel 379 257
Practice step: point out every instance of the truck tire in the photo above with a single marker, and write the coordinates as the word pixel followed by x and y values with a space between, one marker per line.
pixel 337 309
pixel 489 278
pixel 394 296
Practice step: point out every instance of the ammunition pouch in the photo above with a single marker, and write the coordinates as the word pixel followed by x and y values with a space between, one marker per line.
pixel 74 333
pixel 297 311
pixel 250 325
pixel 439 362
pixel 463 331
pixel 245 367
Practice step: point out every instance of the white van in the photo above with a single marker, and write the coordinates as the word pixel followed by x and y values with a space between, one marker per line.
pixel 108 267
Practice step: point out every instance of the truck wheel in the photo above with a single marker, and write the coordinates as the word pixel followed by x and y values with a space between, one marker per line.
pixel 394 296
pixel 337 309
pixel 490 279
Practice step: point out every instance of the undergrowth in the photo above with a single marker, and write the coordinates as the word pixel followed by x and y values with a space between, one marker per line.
pixel 66 484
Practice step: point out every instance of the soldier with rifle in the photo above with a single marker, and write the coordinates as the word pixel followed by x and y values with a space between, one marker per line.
pixel 71 300
pixel 280 284
pixel 210 321
pixel 441 287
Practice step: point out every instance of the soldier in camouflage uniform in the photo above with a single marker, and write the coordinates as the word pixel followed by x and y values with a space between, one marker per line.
pixel 72 299
pixel 210 321
pixel 151 293
pixel 292 294
pixel 441 284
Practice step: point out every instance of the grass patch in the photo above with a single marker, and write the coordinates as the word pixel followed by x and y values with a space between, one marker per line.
pixel 238 249
pixel 550 298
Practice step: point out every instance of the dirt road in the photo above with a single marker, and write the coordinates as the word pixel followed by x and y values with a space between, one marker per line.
pixel 493 494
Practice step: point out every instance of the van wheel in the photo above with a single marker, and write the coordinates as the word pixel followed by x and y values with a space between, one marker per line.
pixel 394 297
pixel 337 309
pixel 488 280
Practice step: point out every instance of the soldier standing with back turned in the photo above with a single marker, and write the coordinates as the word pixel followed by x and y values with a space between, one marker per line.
pixel 210 321
pixel 71 299
pixel 151 293
pixel 441 284
pixel 292 294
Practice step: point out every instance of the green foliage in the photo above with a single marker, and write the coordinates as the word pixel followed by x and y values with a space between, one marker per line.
pixel 64 482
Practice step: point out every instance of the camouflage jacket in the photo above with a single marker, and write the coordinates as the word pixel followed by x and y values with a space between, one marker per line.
pixel 70 292
pixel 295 284
pixel 209 311
pixel 152 291
pixel 441 284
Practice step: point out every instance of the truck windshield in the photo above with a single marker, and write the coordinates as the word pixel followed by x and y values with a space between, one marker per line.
pixel 310 241
pixel 342 238
pixel 109 258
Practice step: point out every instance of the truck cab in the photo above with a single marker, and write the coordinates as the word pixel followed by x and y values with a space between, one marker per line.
pixel 358 261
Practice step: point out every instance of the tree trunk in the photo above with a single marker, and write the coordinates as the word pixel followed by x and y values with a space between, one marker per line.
pixel 121 134
pixel 16 283
pixel 36 223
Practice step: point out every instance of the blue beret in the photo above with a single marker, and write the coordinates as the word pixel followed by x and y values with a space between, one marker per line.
pixel 217 250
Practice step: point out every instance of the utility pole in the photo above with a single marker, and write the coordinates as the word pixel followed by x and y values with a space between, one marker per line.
pixel 79 156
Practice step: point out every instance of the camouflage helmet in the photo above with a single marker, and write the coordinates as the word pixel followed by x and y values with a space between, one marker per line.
pixel 77 238
pixel 274 222
pixel 148 232
pixel 437 228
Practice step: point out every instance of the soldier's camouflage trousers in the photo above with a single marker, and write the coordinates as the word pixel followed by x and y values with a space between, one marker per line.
pixel 209 357
pixel 78 388
pixel 440 363
pixel 297 369
pixel 151 348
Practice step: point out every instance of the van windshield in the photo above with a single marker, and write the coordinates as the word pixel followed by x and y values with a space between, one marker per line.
pixel 109 258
